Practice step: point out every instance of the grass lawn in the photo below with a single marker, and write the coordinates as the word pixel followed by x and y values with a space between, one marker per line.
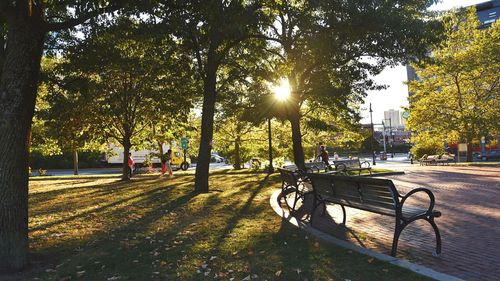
pixel 157 229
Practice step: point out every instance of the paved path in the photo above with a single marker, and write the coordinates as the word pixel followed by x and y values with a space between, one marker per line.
pixel 469 199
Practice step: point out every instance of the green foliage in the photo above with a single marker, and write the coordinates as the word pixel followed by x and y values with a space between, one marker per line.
pixel 137 78
pixel 458 93
pixel 64 160
pixel 429 143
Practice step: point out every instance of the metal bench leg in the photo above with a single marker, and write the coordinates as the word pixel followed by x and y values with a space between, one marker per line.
pixel 292 212
pixel 438 235
pixel 397 232
pixel 343 212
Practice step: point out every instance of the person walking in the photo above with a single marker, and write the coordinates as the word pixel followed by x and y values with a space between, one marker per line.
pixel 165 163
pixel 319 149
pixel 324 155
pixel 131 164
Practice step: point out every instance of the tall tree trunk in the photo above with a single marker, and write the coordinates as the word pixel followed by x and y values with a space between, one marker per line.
pixel 75 162
pixel 207 128
pixel 160 147
pixel 270 141
pixel 126 150
pixel 469 150
pixel 298 152
pixel 18 88
pixel 237 156
pixel 294 118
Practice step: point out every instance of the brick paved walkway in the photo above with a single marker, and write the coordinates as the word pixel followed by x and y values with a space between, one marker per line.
pixel 469 199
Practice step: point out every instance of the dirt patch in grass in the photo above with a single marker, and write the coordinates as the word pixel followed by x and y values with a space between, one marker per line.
pixel 157 229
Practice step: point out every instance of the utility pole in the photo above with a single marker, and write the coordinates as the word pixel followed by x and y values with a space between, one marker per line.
pixel 383 136
pixel 373 135
pixel 392 142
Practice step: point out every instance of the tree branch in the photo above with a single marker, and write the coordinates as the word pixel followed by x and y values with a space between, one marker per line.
pixel 56 26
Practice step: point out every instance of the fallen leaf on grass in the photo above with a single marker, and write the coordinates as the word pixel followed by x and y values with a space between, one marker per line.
pixel 213 257
pixel 116 277
pixel 277 273
pixel 246 278
pixel 65 278
pixel 316 244
pixel 370 260
pixel 80 273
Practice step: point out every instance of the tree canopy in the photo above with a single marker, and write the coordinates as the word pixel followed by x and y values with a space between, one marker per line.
pixel 457 94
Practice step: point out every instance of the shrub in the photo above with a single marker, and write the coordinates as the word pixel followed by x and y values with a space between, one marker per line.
pixel 427 143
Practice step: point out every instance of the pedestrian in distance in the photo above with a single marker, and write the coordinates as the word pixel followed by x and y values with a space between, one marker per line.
pixel 324 155
pixel 165 163
pixel 335 156
pixel 318 151
pixel 131 164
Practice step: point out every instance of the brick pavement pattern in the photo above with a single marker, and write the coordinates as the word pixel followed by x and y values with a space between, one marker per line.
pixel 469 200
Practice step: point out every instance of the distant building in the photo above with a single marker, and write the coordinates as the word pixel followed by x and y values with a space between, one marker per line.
pixel 395 117
pixel 488 12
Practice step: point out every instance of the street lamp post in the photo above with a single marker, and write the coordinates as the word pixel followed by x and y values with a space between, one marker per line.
pixel 392 142
pixel 383 136
pixel 373 135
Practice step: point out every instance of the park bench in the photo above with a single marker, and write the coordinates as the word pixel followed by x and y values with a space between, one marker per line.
pixel 352 165
pixel 428 160
pixel 445 159
pixel 310 167
pixel 294 187
pixel 374 195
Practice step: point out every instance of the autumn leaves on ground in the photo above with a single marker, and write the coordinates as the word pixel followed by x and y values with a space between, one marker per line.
pixel 157 229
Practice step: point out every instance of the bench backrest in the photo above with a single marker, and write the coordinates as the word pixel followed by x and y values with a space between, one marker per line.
pixel 319 166
pixel 349 163
pixel 310 167
pixel 356 191
pixel 288 177
pixel 290 167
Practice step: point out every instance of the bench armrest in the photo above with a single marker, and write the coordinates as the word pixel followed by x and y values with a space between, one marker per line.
pixel 315 168
pixel 340 167
pixel 420 189
pixel 364 164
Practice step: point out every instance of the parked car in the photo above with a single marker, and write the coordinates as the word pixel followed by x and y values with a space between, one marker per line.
pixel 216 159
pixel 492 154
pixel 382 155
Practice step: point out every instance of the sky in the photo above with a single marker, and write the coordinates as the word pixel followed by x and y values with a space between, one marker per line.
pixel 396 95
